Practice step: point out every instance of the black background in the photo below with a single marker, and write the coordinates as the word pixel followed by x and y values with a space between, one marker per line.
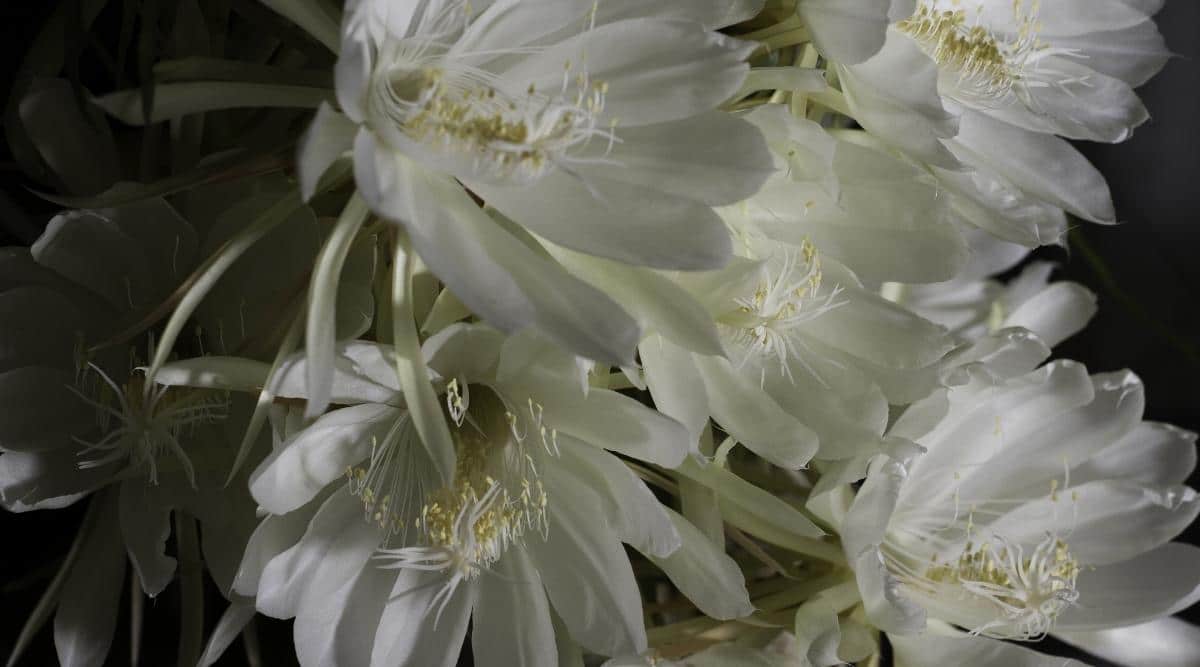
pixel 1145 271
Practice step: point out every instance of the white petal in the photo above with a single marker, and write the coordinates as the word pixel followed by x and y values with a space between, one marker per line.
pixel 969 650
pixel 86 618
pixel 40 411
pixel 658 304
pixel 1042 165
pixel 884 602
pixel 328 138
pixel 412 632
pixel 656 70
pixel 1152 453
pixel 508 283
pixel 1157 583
pixel 714 158
pixel 634 223
pixel 319 454
pixel 675 383
pixel 215 372
pixel 236 617
pixel 588 577
pixel 758 511
pixel 631 509
pixel 275 535
pixel 750 415
pixel 702 571
pixel 605 419
pixel 512 624
pixel 1057 313
pixel 336 540
pixel 1166 642
pixel 847 31
pixel 145 518
pixel 894 95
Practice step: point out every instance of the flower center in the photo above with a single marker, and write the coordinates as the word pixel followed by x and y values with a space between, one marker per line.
pixel 787 295
pixel 497 495
pixel 989 66
pixel 1029 592
pixel 463 119
pixel 142 424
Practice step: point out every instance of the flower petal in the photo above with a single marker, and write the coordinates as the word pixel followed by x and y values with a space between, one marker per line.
pixel 705 574
pixel 1155 584
pixel 298 470
pixel 413 633
pixel 1165 642
pixel 85 621
pixel 512 624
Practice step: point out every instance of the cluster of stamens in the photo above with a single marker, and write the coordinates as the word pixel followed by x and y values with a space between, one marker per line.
pixel 783 299
pixel 989 66
pixel 142 423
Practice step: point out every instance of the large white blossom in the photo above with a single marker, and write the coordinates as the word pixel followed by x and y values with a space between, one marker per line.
pixel 591 125
pixel 1036 505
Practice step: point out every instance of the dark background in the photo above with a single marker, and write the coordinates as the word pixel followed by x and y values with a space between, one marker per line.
pixel 1145 271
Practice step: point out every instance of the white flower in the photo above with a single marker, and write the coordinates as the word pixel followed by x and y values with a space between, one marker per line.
pixel 972 309
pixel 1036 505
pixel 82 423
pixel 591 125
pixel 1044 67
pixel 382 560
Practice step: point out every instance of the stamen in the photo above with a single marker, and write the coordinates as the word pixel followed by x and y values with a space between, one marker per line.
pixel 149 423
pixel 765 322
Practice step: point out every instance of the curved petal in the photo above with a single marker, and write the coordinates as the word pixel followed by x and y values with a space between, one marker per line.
pixel 508 283
pixel 1166 642
pixel 512 624
pixel 145 519
pixel 702 571
pixel 634 223
pixel 970 650
pixel 328 138
pixel 750 415
pixel 298 470
pixel 84 622
pixel 411 632
pixel 1155 584
pixel 588 577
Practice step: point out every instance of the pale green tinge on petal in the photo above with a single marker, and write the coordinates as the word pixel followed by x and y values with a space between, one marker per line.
pixel 298 470
pixel 969 650
pixel 85 621
pixel 1166 642
pixel 145 518
pixel 173 100
pixel 328 138
pixel 702 571
pixel 512 623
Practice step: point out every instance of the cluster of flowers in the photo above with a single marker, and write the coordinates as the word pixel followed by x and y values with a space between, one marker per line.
pixel 545 279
